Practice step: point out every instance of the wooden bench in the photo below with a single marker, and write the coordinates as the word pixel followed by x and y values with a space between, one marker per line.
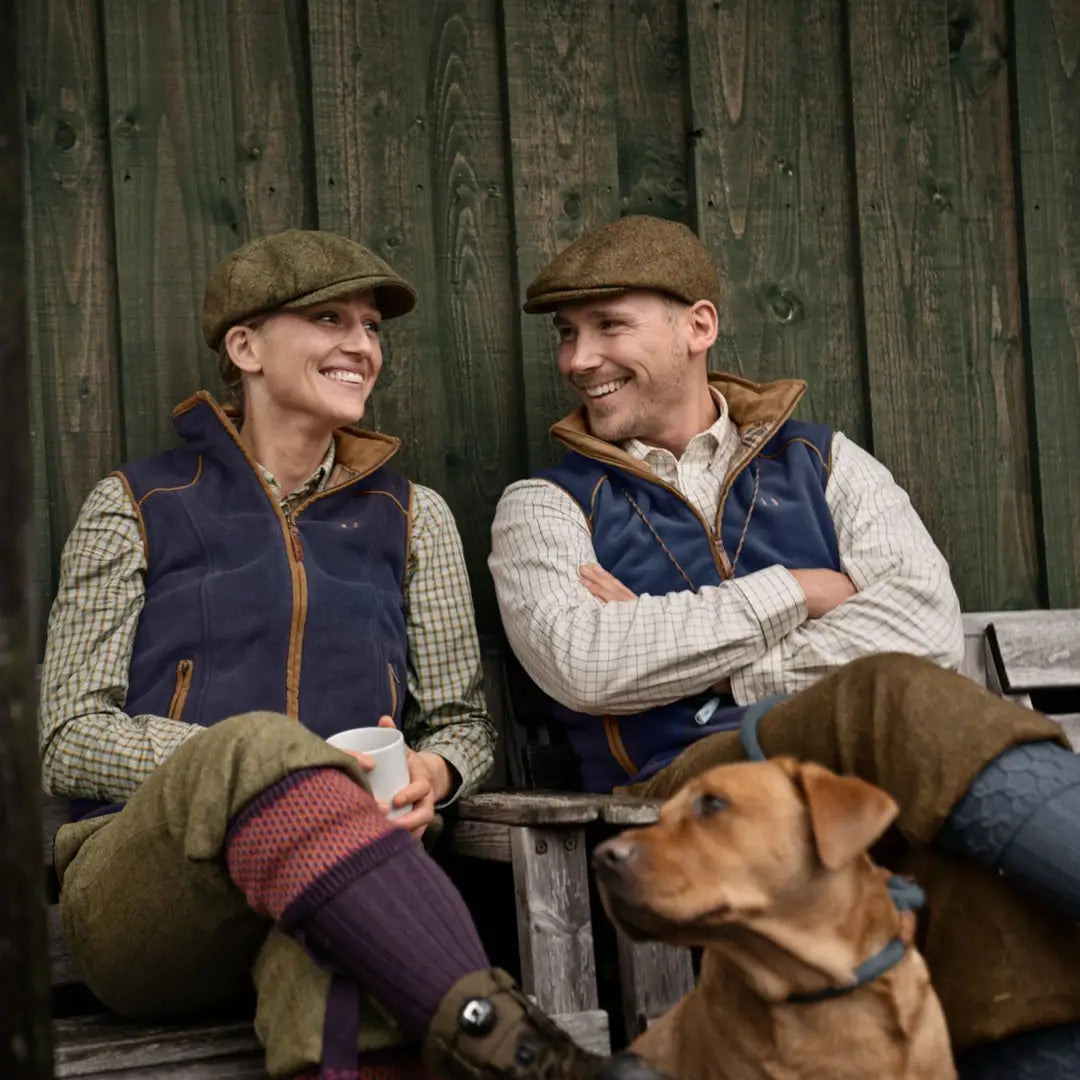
pixel 543 837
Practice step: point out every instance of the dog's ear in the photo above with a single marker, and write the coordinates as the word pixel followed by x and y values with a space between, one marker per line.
pixel 847 814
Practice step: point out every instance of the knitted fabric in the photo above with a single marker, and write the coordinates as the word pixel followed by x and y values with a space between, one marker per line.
pixel 307 836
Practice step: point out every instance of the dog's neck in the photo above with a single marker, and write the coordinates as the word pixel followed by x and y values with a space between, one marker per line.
pixel 783 955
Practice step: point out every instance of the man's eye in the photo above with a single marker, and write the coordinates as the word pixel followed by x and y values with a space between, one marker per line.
pixel 708 804
pixel 328 317
pixel 373 327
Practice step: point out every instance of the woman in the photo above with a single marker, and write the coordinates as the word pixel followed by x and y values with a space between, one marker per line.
pixel 274 569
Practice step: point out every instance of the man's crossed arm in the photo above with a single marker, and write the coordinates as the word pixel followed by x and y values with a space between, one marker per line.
pixel 594 646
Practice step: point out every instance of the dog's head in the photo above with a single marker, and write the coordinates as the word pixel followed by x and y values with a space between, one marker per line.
pixel 740 842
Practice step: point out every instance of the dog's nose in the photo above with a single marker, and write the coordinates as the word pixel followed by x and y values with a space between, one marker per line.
pixel 615 855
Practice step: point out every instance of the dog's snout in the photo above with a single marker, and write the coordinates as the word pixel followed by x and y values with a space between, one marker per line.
pixel 615 855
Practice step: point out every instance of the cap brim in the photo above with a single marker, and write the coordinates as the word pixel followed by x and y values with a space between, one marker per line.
pixel 549 301
pixel 393 296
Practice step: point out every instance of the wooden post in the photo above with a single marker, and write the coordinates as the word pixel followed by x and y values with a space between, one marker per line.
pixel 24 980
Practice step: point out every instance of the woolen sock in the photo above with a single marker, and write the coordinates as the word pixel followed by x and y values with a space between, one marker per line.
pixel 315 853
pixel 1021 817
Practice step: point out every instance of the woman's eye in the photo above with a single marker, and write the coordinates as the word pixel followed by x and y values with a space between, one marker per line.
pixel 708 804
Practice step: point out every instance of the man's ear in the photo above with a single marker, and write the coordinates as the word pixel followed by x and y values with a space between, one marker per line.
pixel 704 324
pixel 846 814
pixel 239 342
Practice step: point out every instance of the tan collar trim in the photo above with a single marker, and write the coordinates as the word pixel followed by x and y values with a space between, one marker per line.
pixel 358 451
pixel 756 409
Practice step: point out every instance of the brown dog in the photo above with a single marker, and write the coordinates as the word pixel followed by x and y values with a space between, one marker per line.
pixel 765 867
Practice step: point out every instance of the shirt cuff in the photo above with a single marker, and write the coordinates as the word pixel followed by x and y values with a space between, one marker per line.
pixel 450 752
pixel 776 600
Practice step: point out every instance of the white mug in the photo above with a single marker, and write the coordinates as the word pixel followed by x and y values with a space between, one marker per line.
pixel 386 747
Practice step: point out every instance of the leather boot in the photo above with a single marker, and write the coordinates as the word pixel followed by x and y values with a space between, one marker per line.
pixel 486 1029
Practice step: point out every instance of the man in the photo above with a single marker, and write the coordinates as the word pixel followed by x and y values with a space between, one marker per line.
pixel 697 550
pixel 225 607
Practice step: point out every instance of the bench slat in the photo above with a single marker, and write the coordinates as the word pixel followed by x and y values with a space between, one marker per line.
pixel 1036 650
pixel 105 1044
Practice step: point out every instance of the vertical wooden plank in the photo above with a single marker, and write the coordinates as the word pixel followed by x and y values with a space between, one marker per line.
pixel 177 206
pixel 369 63
pixel 653 977
pixel 938 321
pixel 772 195
pixel 77 422
pixel 551 884
pixel 650 100
pixel 480 390
pixel 1007 573
pixel 25 1052
pixel 271 102
pixel 560 88
pixel 1047 50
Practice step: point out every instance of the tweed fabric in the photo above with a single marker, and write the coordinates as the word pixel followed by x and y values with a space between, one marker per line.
pixel 1001 961
pixel 635 252
pixel 92 749
pixel 296 833
pixel 293 269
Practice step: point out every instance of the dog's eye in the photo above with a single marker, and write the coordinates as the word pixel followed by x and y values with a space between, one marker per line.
pixel 708 804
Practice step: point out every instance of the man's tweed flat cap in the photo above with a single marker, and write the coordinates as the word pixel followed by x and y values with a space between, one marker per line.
pixel 635 252
pixel 294 269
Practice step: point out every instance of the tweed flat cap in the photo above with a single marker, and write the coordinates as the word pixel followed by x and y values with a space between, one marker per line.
pixel 293 269
pixel 635 252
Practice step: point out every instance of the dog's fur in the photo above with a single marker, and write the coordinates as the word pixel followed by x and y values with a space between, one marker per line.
pixel 765 867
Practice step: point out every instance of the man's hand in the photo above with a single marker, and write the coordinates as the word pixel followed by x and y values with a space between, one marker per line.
pixel 824 590
pixel 430 780
pixel 604 586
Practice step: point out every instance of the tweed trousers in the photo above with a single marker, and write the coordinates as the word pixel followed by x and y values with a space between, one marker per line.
pixel 155 925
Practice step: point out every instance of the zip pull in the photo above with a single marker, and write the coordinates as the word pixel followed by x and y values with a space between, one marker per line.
pixel 297 543
pixel 705 713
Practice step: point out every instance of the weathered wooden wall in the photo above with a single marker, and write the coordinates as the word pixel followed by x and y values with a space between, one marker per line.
pixel 892 192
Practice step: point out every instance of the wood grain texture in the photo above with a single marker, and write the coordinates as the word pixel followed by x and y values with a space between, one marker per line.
pixel 530 808
pixel 177 206
pixel 589 1029
pixel 374 162
pixel 480 391
pixel 103 1045
pixel 560 90
pixel 77 423
pixel 24 979
pixel 481 840
pixel 772 196
pixel 275 171
pixel 652 978
pixel 1004 571
pixel 938 322
pixel 1035 650
pixel 555 940
pixel 1047 50
pixel 650 101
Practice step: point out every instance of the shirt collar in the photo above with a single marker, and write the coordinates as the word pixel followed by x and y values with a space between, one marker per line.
pixel 712 438
pixel 315 482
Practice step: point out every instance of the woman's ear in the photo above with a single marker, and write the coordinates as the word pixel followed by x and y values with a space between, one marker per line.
pixel 240 344
pixel 703 323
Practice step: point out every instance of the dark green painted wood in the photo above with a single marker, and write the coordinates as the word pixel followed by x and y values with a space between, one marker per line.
pixel 177 206
pixel 1047 49
pixel 650 99
pixel 271 101
pixel 25 1051
pixel 560 76
pixel 924 134
pixel 996 464
pixel 477 309
pixel 73 339
pixel 773 196
pixel 374 175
